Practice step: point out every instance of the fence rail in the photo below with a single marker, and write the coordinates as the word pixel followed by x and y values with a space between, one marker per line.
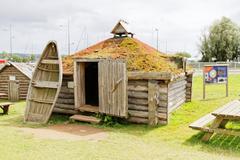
pixel 199 65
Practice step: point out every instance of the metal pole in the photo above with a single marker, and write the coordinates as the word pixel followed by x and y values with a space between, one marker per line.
pixel 157 38
pixel 10 38
pixel 68 35
pixel 204 85
pixel 166 46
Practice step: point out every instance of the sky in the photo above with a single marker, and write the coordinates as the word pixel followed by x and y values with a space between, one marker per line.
pixel 180 23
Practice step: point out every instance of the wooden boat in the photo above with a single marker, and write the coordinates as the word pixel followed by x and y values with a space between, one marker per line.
pixel 44 86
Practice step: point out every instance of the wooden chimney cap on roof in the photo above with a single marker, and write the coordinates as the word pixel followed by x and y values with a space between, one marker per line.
pixel 121 29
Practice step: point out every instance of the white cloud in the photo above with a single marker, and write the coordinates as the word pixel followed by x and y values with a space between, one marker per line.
pixel 180 22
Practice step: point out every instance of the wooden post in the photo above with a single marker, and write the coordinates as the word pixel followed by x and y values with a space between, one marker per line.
pixel 227 84
pixel 204 86
pixel 152 104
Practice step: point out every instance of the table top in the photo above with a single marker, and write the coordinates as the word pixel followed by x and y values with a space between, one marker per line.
pixel 232 109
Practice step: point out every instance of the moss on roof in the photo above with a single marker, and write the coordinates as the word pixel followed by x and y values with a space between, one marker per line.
pixel 139 56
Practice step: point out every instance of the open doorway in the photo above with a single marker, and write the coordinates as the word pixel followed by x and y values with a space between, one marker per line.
pixel 91 84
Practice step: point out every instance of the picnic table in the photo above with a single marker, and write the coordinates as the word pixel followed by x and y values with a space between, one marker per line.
pixel 218 120
pixel 5 107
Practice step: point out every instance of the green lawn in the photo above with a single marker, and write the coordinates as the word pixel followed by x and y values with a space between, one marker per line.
pixel 130 142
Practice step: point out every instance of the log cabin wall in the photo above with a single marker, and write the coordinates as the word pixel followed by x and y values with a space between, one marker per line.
pixel 138 101
pixel 4 79
pixel 176 93
pixel 65 101
pixel 151 101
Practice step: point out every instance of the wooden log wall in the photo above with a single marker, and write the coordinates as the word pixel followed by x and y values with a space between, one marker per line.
pixel 176 93
pixel 138 101
pixel 189 87
pixel 65 101
pixel 151 101
pixel 162 110
pixel 4 79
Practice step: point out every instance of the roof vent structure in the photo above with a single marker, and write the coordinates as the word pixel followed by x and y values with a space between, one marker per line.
pixel 121 29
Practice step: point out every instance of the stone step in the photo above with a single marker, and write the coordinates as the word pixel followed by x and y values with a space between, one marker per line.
pixel 84 118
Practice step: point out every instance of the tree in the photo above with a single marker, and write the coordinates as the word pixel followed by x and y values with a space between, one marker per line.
pixel 221 42
pixel 32 58
pixel 16 58
pixel 183 54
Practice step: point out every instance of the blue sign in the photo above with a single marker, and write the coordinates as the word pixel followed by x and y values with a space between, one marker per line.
pixel 216 74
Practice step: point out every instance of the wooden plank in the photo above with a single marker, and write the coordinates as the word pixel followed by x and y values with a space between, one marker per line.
pixel 64 111
pixel 83 118
pixel 64 106
pixel 231 109
pixel 137 107
pixel 152 104
pixel 89 108
pixel 45 84
pixel 135 113
pixel 203 121
pixel 216 123
pixel 176 105
pixel 65 101
pixel 138 120
pixel 47 70
pixel 13 90
pixel 137 88
pixel 50 61
pixel 138 101
pixel 113 88
pixel 41 100
pixel 150 75
pixel 79 89
pixel 135 94
pixel 138 82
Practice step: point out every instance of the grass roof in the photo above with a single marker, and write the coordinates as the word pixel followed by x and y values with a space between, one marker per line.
pixel 138 55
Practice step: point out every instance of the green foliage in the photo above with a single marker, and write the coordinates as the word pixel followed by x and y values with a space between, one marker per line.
pixel 183 54
pixel 108 120
pixel 221 42
pixel 16 58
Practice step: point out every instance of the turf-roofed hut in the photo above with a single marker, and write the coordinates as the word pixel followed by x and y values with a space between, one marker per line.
pixel 14 80
pixel 124 77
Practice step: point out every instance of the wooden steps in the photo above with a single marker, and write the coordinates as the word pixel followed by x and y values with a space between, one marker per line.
pixel 84 118
pixel 89 108
pixel 45 84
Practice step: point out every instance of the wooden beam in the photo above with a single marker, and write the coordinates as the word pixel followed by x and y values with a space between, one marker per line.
pixel 152 104
pixel 150 75
pixel 45 84
pixel 50 61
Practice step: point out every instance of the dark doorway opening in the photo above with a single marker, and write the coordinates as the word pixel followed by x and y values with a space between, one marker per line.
pixel 91 83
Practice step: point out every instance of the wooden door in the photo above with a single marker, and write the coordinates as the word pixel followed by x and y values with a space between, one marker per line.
pixel 13 90
pixel 112 78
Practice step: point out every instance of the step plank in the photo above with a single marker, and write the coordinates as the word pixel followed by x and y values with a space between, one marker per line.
pixel 89 108
pixel 84 118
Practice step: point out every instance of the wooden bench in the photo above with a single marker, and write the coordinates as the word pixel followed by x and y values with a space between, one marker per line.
pixel 5 107
pixel 201 124
pixel 219 118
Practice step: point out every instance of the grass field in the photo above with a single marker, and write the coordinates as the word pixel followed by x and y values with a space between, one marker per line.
pixel 130 142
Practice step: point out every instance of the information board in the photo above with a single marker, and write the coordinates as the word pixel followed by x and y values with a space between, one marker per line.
pixel 215 74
